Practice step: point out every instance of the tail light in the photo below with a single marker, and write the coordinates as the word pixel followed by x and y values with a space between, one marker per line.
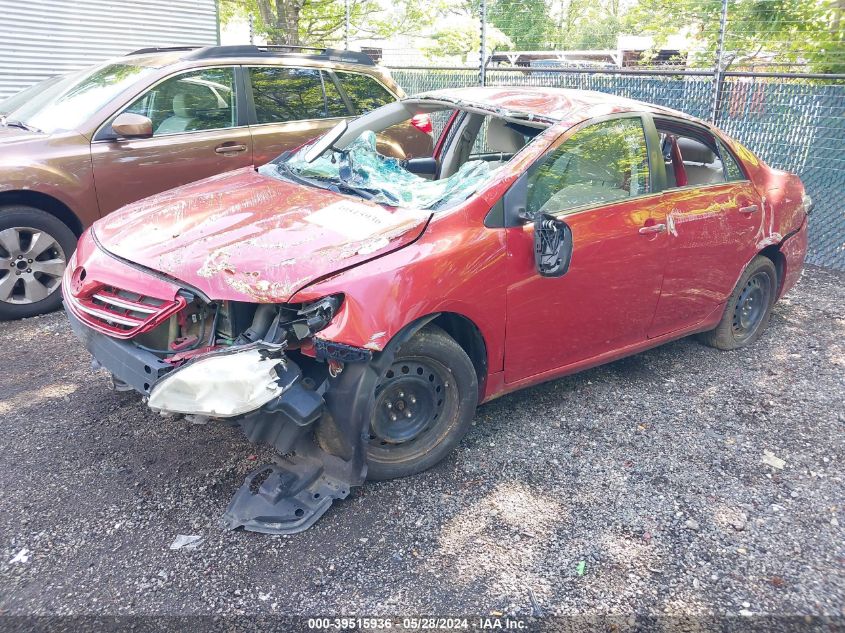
pixel 423 123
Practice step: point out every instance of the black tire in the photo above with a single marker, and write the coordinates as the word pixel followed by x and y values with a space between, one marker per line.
pixel 20 216
pixel 434 372
pixel 748 308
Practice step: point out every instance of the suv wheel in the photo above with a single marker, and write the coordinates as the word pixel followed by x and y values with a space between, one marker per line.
pixel 34 248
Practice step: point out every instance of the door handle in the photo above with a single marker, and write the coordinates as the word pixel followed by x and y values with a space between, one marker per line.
pixel 229 149
pixel 652 228
pixel 751 208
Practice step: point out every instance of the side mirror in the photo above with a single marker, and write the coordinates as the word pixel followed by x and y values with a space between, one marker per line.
pixel 552 245
pixel 130 125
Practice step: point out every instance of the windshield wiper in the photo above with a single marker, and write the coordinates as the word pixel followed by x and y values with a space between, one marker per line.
pixel 324 183
pixel 15 123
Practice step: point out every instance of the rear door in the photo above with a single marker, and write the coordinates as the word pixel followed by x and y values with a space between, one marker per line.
pixel 714 215
pixel 289 106
pixel 199 130
pixel 600 183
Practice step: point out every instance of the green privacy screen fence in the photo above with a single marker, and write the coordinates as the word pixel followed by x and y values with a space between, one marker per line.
pixel 793 123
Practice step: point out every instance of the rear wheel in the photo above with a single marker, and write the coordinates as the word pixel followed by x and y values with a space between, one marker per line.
pixel 34 248
pixel 748 308
pixel 424 405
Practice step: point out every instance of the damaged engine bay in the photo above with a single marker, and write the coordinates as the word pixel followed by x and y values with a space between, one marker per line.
pixel 261 367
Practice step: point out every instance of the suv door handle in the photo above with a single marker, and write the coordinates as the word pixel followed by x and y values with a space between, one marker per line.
pixel 751 208
pixel 652 228
pixel 230 149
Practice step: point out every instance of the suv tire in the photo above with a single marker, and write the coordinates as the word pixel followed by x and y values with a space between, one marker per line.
pixel 31 285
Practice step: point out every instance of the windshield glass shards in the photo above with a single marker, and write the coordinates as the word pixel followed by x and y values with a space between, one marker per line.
pixel 361 170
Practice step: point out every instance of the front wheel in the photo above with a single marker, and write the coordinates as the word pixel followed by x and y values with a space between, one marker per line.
pixel 424 405
pixel 34 248
pixel 748 308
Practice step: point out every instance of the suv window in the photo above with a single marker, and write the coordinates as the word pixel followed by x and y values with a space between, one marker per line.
pixel 364 92
pixel 599 164
pixel 196 100
pixel 284 94
pixel 335 105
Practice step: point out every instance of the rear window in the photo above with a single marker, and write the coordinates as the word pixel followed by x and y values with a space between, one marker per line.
pixel 364 92
pixel 286 94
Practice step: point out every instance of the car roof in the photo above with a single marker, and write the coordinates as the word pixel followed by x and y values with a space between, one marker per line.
pixel 160 57
pixel 551 104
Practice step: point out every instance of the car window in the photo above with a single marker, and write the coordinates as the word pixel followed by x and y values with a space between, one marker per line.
pixel 190 102
pixel 598 164
pixel 691 158
pixel 287 94
pixel 732 168
pixel 364 92
pixel 335 105
pixel 67 102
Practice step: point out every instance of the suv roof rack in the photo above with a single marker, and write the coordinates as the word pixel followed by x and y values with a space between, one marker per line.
pixel 270 50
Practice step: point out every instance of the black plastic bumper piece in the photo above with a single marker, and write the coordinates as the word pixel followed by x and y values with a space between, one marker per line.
pixel 284 498
pixel 137 368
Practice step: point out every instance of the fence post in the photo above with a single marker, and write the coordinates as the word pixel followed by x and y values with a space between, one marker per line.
pixel 346 25
pixel 718 77
pixel 482 51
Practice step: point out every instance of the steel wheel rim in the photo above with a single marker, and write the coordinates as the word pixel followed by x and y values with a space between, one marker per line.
pixel 410 400
pixel 751 306
pixel 32 263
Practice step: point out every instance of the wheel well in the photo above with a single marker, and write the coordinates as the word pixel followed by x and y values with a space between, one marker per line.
pixel 46 203
pixel 773 253
pixel 469 337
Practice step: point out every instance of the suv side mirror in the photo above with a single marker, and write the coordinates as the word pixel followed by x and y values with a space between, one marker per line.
pixel 130 125
pixel 552 245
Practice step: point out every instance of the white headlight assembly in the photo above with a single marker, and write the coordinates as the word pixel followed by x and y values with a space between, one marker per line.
pixel 221 385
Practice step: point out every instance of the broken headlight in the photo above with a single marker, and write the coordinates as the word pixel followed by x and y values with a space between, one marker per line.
pixel 223 384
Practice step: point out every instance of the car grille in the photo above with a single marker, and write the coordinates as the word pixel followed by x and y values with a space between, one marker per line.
pixel 123 314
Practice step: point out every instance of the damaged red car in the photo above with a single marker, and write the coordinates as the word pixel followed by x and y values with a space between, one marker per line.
pixel 352 309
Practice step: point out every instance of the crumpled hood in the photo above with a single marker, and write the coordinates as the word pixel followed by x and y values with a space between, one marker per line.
pixel 242 236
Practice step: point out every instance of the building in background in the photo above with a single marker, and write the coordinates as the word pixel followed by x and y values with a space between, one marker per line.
pixel 42 38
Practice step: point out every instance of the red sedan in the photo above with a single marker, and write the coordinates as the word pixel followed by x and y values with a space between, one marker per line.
pixel 352 309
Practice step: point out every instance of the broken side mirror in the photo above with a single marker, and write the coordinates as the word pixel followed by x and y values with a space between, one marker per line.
pixel 552 245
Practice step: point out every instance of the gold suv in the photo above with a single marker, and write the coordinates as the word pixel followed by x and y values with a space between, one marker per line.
pixel 76 147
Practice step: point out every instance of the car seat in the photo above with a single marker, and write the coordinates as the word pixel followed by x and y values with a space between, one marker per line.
pixel 700 163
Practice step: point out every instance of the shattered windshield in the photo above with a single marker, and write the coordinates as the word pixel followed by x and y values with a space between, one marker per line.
pixel 361 170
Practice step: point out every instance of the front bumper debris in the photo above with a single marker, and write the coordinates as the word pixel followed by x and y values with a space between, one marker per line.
pixel 126 362
pixel 316 428
pixel 225 383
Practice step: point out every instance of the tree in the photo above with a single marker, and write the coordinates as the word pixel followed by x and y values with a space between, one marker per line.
pixel 782 33
pixel 462 37
pixel 526 23
pixel 322 22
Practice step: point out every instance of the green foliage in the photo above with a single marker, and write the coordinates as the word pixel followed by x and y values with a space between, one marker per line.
pixel 453 43
pixel 526 24
pixel 788 33
pixel 322 22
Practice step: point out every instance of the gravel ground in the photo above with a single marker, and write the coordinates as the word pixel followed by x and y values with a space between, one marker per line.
pixel 649 470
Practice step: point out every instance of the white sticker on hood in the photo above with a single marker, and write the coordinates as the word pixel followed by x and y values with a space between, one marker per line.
pixel 355 221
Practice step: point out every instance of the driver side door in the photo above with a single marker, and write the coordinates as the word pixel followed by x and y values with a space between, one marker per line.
pixel 199 130
pixel 598 181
